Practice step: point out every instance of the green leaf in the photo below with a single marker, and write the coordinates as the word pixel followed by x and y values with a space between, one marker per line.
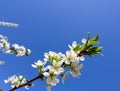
pixel 93 41
pixel 94 50
pixel 95 38
pixel 77 48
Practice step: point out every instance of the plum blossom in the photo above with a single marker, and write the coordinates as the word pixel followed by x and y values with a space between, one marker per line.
pixel 38 64
pixel 20 50
pixel 53 56
pixel 51 79
pixel 75 69
pixel 15 80
pixel 56 67
pixel 71 56
pixel 4 44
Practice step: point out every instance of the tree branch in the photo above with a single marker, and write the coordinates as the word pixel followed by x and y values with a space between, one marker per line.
pixel 40 76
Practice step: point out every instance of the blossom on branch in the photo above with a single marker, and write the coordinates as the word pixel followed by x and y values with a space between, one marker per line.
pixel 16 81
pixel 56 65
pixel 14 49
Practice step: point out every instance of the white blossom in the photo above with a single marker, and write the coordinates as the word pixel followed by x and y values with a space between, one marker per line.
pixel 20 50
pixel 71 56
pixel 56 67
pixel 38 64
pixel 53 56
pixel 15 80
pixel 75 70
pixel 51 79
pixel 4 44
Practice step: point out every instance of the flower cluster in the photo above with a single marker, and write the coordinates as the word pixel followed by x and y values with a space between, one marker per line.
pixel 16 81
pixel 15 49
pixel 8 24
pixel 56 65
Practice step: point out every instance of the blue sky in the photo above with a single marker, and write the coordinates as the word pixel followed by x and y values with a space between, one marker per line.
pixel 53 24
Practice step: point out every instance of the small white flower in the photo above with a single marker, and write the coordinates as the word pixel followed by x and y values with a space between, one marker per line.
pixel 20 50
pixel 71 56
pixel 75 70
pixel 52 80
pixel 38 64
pixel 53 56
pixel 56 67
pixel 15 80
pixel 74 45
pixel 4 43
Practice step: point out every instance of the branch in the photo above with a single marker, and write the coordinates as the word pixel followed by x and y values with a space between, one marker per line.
pixel 40 76
pixel 88 48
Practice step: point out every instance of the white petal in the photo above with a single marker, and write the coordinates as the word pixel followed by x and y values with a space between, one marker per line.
pixel 34 66
pixel 46 55
pixel 84 40
pixel 60 70
pixel 67 62
pixel 82 58
pixel 6 81
pixel 46 74
pixel 74 44
pixel 50 68
pixel 70 46
pixel 54 63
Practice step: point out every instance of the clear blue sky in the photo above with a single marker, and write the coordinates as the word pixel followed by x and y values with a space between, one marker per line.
pixel 53 24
